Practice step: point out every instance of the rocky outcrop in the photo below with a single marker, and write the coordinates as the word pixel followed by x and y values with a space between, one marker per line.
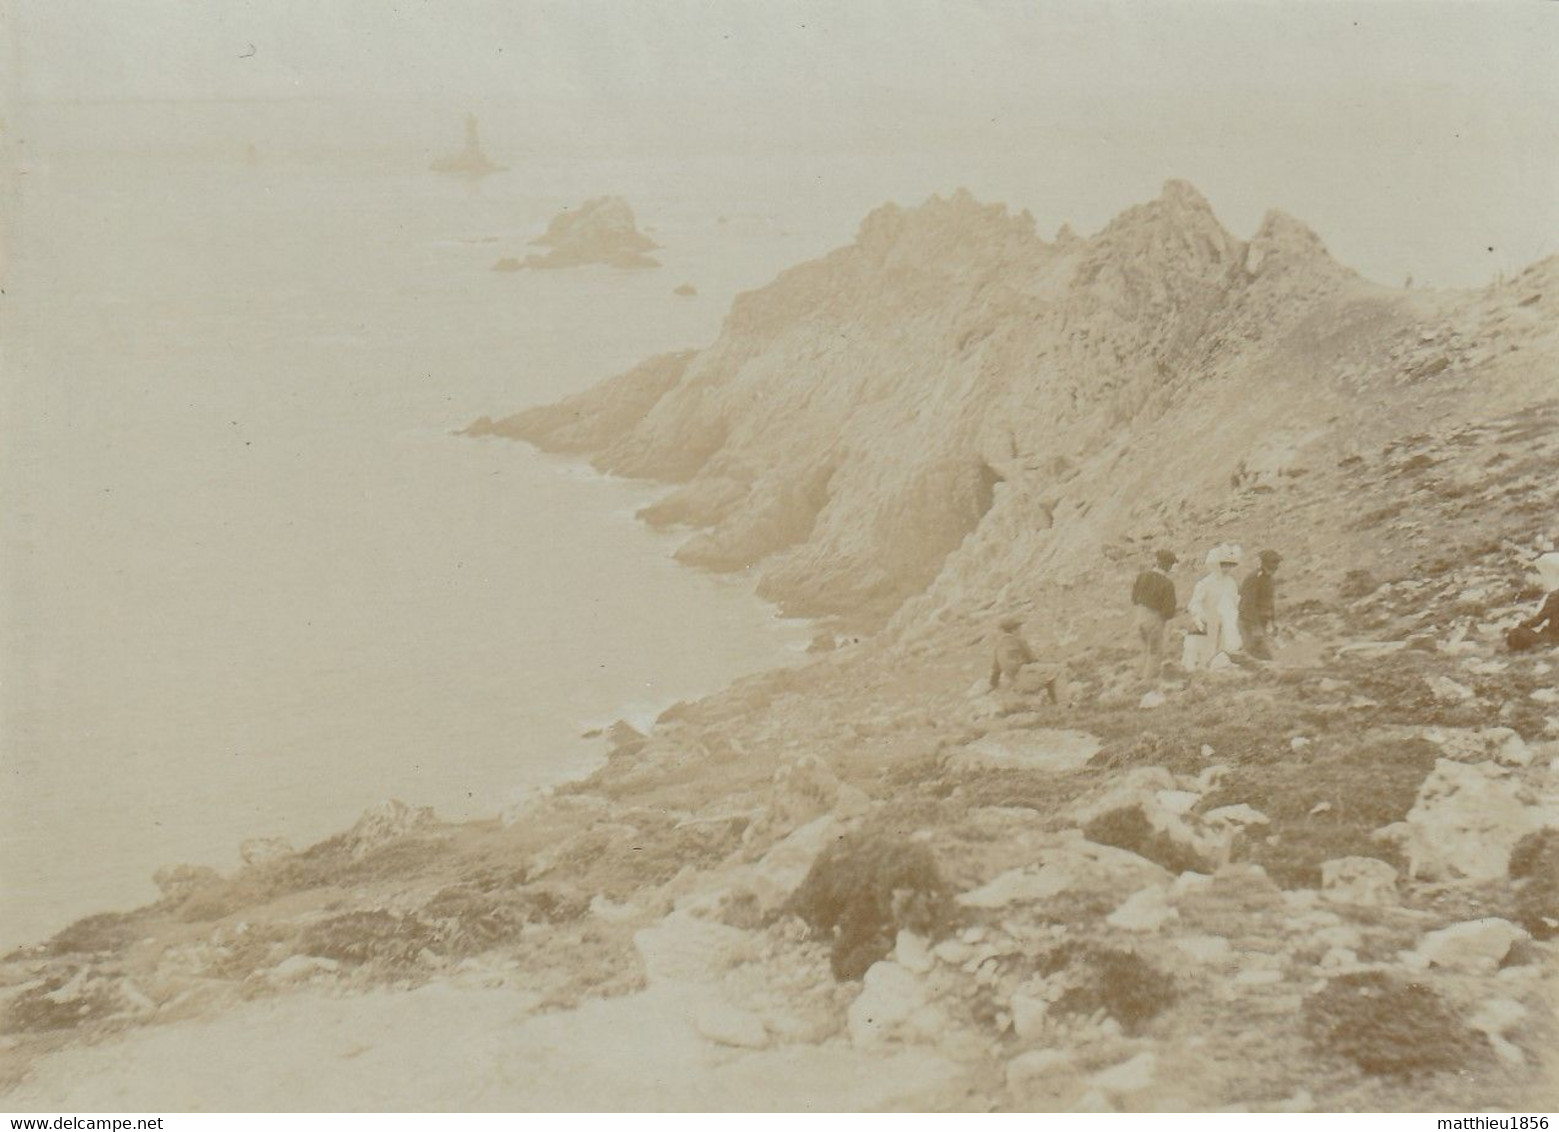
pixel 602 230
pixel 1466 821
pixel 928 420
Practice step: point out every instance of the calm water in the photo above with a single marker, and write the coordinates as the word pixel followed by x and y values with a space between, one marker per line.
pixel 252 584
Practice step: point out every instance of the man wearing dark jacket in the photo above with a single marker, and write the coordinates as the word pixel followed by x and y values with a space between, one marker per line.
pixel 1153 604
pixel 1258 607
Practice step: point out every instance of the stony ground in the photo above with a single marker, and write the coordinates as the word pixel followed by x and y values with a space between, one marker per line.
pixel 1316 884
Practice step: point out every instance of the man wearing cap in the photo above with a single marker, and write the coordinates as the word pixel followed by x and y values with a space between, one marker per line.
pixel 1258 607
pixel 1153 603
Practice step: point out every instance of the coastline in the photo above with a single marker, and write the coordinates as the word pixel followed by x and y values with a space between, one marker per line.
pixel 1333 873
pixel 659 893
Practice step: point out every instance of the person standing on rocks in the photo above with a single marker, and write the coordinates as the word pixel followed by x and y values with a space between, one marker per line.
pixel 1258 606
pixel 1543 627
pixel 1215 611
pixel 1153 604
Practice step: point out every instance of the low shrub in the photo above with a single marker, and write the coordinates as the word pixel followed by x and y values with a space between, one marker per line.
pixel 1534 865
pixel 105 932
pixel 1121 983
pixel 1387 1027
pixel 40 1008
pixel 867 887
pixel 358 938
pixel 1131 830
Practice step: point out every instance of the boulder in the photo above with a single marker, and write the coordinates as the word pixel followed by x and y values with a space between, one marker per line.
pixel 1449 691
pixel 388 821
pixel 1238 816
pixel 893 1003
pixel 1359 880
pixel 1466 744
pixel 1029 1067
pixel 683 949
pixel 297 968
pixel 1493 1020
pixel 770 880
pixel 1144 911
pixel 1046 749
pixel 912 952
pixel 1028 1016
pixel 799 792
pixel 1464 823
pixel 1473 946
pixel 1205 948
pixel 264 850
pixel 1148 814
pixel 175 882
pixel 1129 1076
pixel 1070 864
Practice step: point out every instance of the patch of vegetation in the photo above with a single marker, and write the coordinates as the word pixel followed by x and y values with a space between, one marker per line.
pixel 867 887
pixel 1387 1027
pixel 1534 863
pixel 257 948
pixel 1363 788
pixel 1380 515
pixel 1121 983
pixel 42 1008
pixel 470 919
pixel 355 939
pixel 1130 829
pixel 1357 584
pixel 105 932
pixel 260 884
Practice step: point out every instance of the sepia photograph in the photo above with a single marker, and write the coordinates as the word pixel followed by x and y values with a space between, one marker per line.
pixel 918 556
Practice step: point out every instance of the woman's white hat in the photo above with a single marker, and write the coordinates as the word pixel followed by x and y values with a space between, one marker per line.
pixel 1224 552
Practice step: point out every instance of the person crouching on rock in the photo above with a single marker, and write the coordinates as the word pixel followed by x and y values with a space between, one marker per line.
pixel 1543 627
pixel 1016 665
pixel 1215 612
pixel 1153 604
pixel 1012 653
pixel 1258 606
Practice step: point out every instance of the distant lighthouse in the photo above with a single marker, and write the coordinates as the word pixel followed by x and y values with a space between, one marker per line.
pixel 470 161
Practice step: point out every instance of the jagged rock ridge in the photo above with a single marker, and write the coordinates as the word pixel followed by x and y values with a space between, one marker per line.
pixel 953 407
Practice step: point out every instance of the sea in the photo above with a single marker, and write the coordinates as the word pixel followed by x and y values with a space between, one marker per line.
pixel 252 582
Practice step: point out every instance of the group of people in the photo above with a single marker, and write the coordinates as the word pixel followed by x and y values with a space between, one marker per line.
pixel 1229 617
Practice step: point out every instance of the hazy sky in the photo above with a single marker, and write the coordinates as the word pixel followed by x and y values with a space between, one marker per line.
pixel 1377 123
pixel 965 51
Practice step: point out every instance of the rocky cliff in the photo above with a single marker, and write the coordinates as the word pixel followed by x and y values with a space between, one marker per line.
pixel 956 410
pixel 1326 883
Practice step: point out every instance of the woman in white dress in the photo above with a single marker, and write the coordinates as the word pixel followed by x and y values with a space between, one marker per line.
pixel 1215 611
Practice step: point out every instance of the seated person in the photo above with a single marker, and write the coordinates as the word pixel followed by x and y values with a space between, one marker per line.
pixel 1543 627
pixel 1016 664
